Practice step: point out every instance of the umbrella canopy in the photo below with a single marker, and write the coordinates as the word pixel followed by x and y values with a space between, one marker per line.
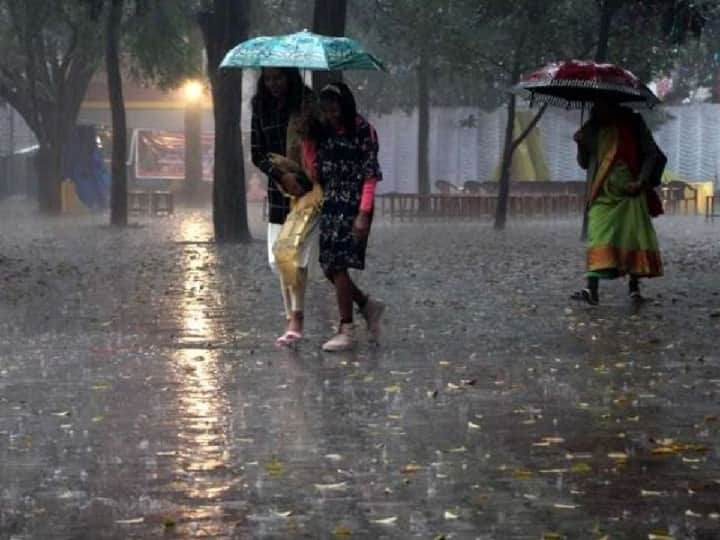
pixel 573 83
pixel 303 50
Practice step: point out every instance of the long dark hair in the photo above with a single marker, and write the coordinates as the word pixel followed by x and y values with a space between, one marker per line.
pixel 340 93
pixel 297 92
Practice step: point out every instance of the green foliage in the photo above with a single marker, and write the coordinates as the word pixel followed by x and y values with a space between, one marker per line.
pixel 471 44
pixel 160 42
pixel 698 63
pixel 474 45
pixel 272 17
pixel 400 32
pixel 49 52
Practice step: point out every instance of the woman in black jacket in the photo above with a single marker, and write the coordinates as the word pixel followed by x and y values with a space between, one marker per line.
pixel 278 106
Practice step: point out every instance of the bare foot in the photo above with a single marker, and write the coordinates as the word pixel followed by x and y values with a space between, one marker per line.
pixel 295 323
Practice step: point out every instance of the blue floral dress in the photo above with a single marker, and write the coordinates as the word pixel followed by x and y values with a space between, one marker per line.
pixel 343 164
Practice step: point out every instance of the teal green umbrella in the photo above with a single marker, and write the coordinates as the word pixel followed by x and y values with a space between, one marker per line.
pixel 303 50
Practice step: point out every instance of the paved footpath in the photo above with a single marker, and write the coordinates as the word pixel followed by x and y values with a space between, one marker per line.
pixel 141 395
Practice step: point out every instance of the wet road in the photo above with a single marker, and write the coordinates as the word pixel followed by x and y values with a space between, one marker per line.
pixel 141 395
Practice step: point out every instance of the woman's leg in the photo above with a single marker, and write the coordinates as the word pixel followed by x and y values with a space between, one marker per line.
pixel 344 292
pixel 593 284
pixel 272 233
pixel 345 337
pixel 634 287
pixel 287 299
pixel 293 299
pixel 371 309
pixel 589 294
pixel 357 295
pixel 297 303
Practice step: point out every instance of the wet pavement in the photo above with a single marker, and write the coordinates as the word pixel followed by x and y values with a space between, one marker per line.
pixel 141 395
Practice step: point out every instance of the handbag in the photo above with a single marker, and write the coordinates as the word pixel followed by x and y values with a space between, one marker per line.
pixel 288 165
pixel 654 178
pixel 654 203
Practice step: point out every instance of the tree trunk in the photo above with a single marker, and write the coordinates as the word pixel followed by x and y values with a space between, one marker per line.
pixel 506 165
pixel 423 141
pixel 509 146
pixel 229 199
pixel 193 129
pixel 608 8
pixel 49 168
pixel 46 85
pixel 223 28
pixel 504 180
pixel 603 32
pixel 193 151
pixel 329 18
pixel 118 193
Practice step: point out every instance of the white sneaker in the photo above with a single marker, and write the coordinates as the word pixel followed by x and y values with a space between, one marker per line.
pixel 344 340
pixel 372 313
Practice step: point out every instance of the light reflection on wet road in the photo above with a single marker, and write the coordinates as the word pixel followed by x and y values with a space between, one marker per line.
pixel 141 395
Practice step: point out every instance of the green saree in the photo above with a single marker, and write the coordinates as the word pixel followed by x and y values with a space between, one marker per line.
pixel 621 237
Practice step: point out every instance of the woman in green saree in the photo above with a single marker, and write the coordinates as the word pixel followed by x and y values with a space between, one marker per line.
pixel 619 153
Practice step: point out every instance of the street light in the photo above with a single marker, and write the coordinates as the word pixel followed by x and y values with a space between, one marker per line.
pixel 193 92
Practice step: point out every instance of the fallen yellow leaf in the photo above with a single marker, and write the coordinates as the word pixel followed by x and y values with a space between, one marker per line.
pixel 275 468
pixel 581 468
pixel 659 535
pixel 663 450
pixel 343 531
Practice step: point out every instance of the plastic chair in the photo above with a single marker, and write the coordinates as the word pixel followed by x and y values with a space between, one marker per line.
pixel 446 188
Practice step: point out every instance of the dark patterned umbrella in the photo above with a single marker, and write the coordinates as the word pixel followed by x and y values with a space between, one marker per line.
pixel 573 83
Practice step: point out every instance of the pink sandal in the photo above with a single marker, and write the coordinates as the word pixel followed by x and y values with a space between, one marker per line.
pixel 288 339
